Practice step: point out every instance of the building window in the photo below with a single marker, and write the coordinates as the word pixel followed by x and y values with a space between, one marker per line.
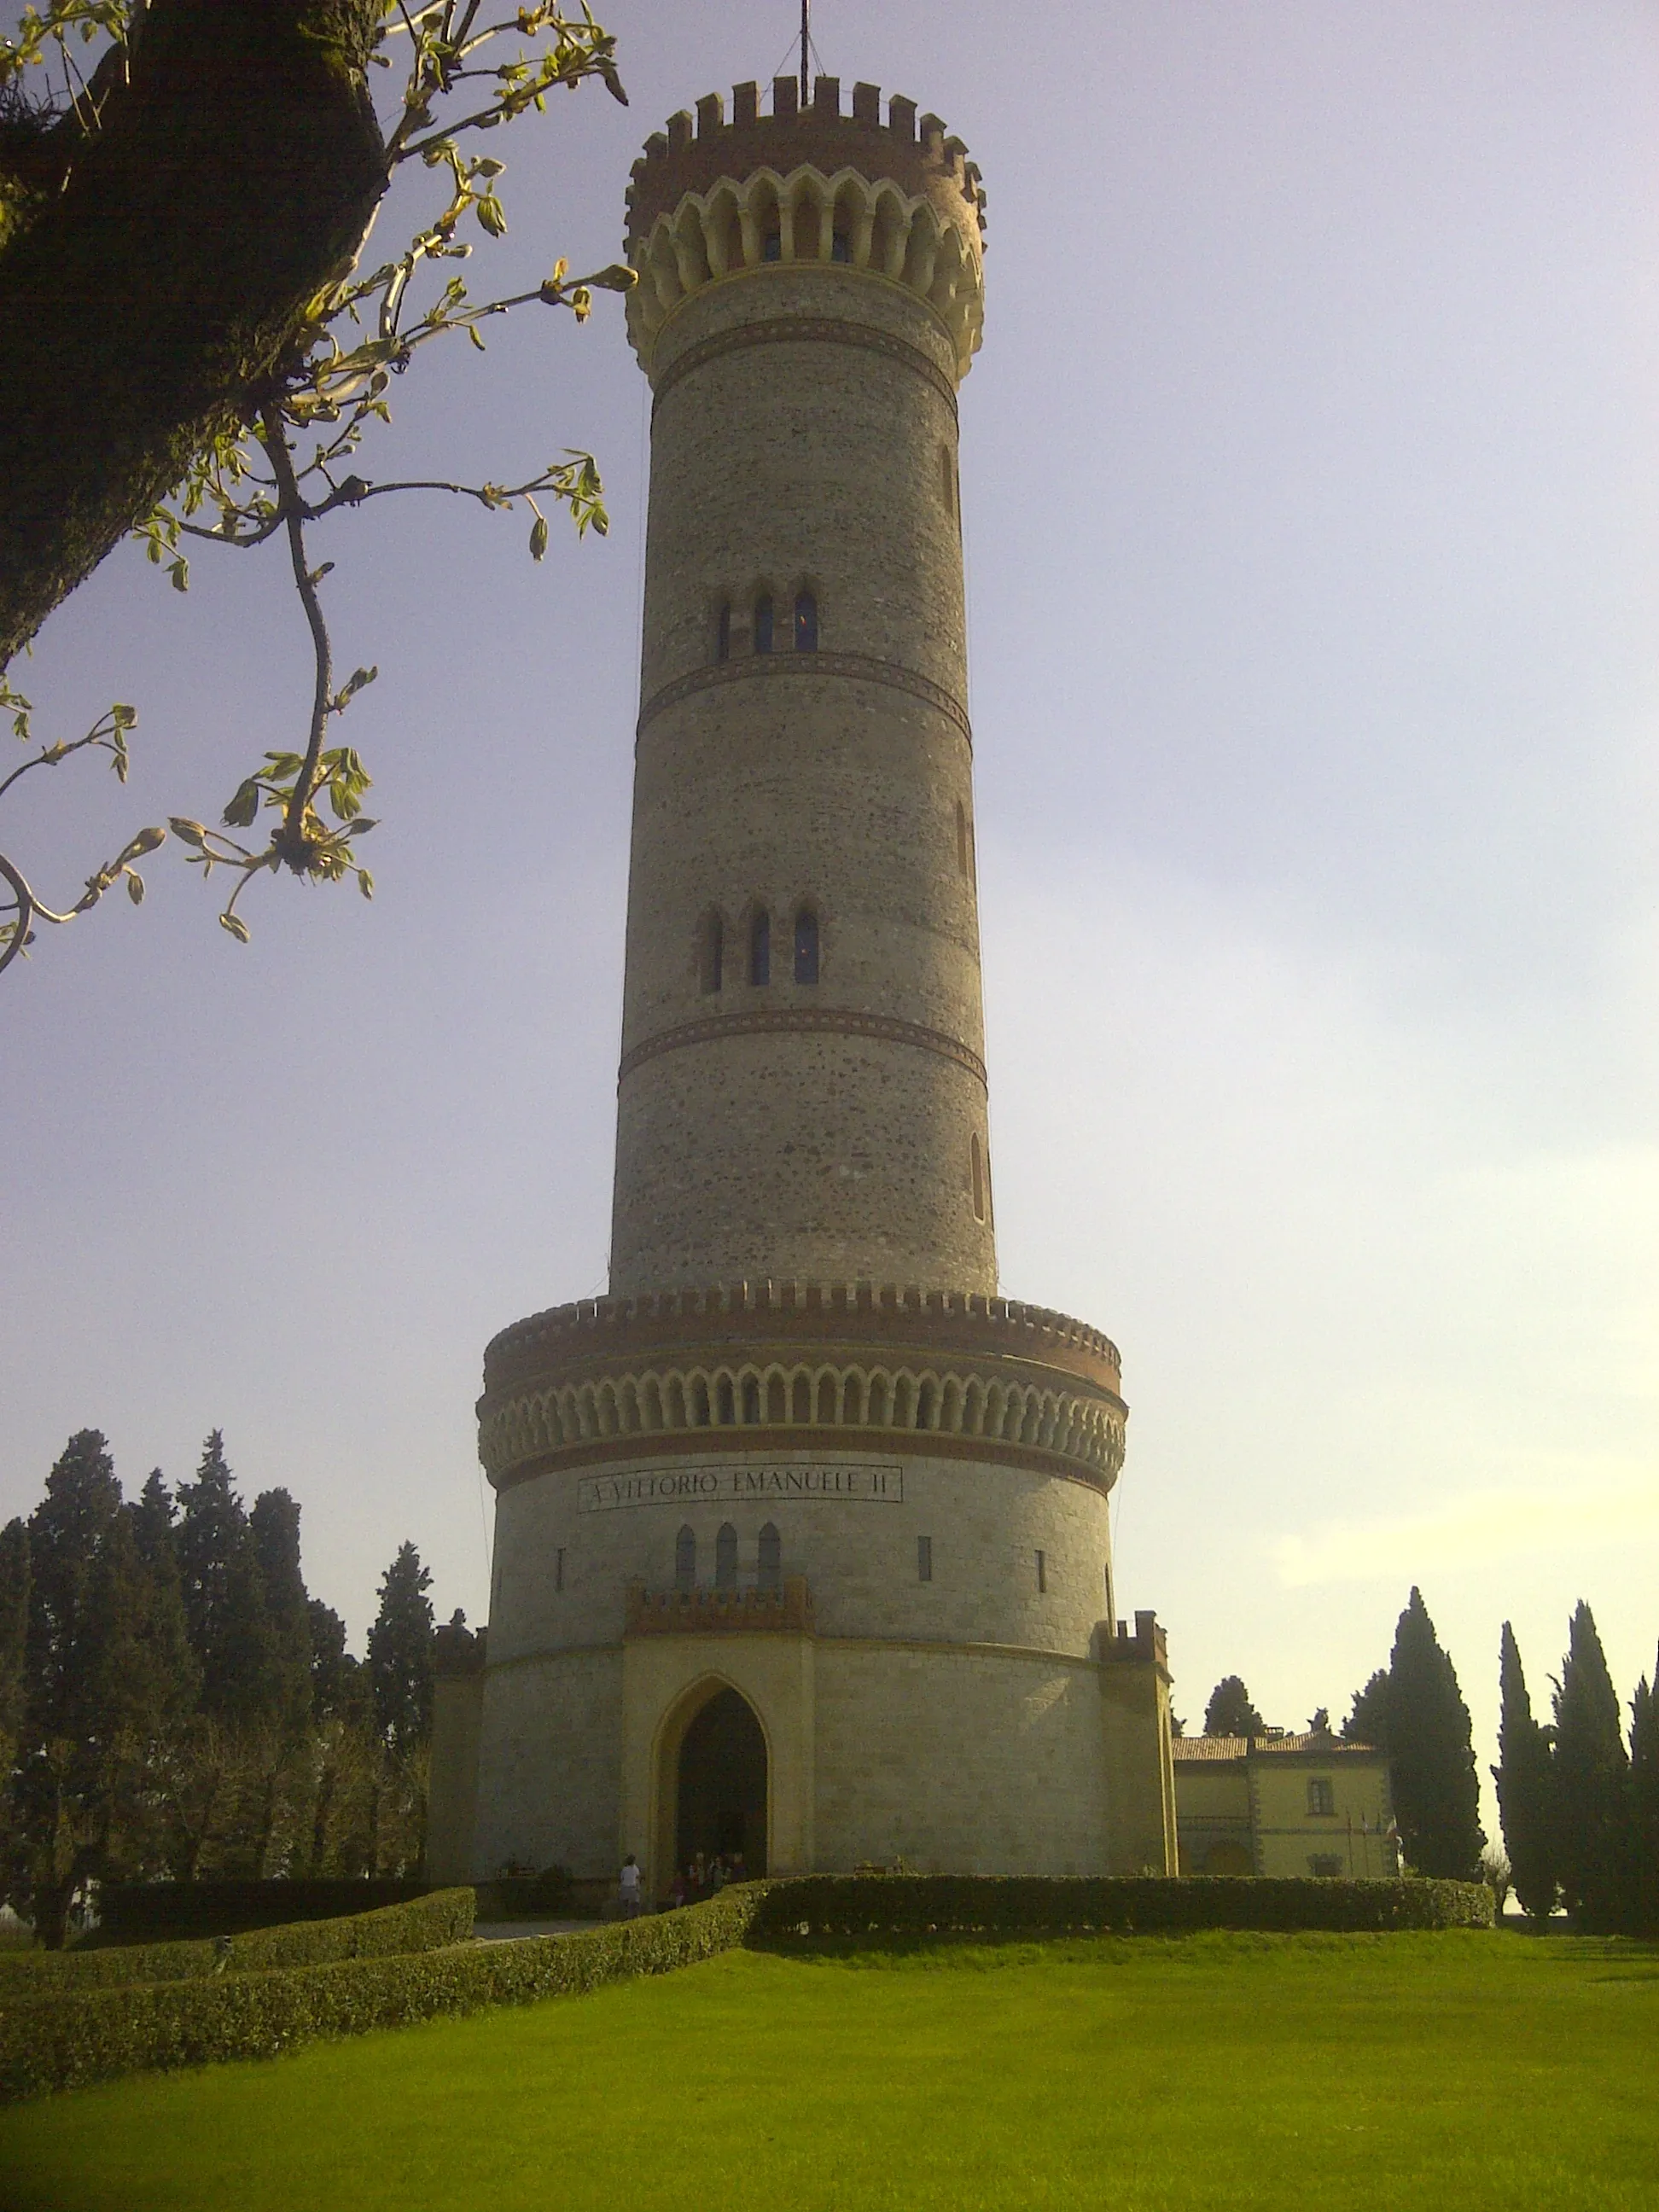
pixel 962 839
pixel 750 1398
pixel 1108 1590
pixel 726 1558
pixel 764 622
pixel 685 1558
pixel 725 1412
pixel 772 246
pixel 976 1175
pixel 770 1565
pixel 947 477
pixel 1322 1795
pixel 712 954
pixel 723 632
pixel 807 947
pixel 806 623
pixel 1327 1865
pixel 1042 1572
pixel 760 948
pixel 558 1568
pixel 924 1559
pixel 840 247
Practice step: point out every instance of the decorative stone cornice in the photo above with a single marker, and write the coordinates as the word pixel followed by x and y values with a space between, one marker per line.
pixel 832 1020
pixel 797 1365
pixel 806 188
pixel 856 667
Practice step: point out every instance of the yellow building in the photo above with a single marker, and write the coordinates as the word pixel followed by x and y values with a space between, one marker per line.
pixel 1283 1805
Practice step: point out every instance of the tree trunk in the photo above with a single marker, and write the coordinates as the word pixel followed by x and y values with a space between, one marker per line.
pixel 144 301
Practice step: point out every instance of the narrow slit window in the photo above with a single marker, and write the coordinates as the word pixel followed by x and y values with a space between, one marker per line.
pixel 713 954
pixel 726 1558
pixel 806 623
pixel 685 1558
pixel 947 476
pixel 723 632
pixel 962 839
pixel 764 622
pixel 807 947
pixel 558 1568
pixel 924 1559
pixel 770 1574
pixel 1042 1573
pixel 977 1172
pixel 760 948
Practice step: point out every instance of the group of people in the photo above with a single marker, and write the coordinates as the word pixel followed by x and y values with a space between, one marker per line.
pixel 703 1876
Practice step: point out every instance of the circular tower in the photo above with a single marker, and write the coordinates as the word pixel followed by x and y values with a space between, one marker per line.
pixel 802 1537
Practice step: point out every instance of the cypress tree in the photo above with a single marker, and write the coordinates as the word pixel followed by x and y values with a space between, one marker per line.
pixel 274 1528
pixel 1644 1806
pixel 1230 1712
pixel 339 1682
pixel 400 1653
pixel 155 1534
pixel 14 1632
pixel 1367 1721
pixel 1592 1772
pixel 1525 1789
pixel 224 1600
pixel 1437 1791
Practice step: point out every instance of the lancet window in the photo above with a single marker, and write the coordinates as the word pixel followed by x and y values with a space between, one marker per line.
pixel 806 623
pixel 712 954
pixel 764 622
pixel 723 631
pixel 807 947
pixel 685 1558
pixel 726 1558
pixel 760 948
pixel 769 1576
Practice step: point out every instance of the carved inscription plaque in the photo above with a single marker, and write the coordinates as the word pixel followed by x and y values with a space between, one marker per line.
pixel 821 1484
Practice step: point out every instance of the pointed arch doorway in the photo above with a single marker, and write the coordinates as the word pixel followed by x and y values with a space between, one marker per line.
pixel 714 1783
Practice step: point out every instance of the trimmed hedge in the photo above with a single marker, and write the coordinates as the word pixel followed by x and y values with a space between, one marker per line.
pixel 169 1912
pixel 425 1924
pixel 64 2042
pixel 1013 1905
pixel 66 2039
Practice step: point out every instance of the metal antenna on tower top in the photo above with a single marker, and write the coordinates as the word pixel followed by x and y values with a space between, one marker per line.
pixel 806 45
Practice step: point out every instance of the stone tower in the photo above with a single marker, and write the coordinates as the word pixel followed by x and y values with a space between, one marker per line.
pixel 802 1536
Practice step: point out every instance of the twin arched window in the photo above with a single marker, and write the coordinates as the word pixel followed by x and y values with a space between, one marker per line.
pixel 804 633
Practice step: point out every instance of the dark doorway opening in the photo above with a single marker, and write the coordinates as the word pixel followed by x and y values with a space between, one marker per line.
pixel 721 1796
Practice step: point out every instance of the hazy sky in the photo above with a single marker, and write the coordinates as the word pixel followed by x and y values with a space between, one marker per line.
pixel 1311 477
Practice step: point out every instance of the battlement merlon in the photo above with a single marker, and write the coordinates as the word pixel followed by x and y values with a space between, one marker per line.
pixel 693 155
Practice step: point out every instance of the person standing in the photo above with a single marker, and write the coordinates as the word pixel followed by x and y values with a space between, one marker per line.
pixel 629 1887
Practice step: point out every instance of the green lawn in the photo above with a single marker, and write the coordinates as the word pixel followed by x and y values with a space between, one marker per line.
pixel 1318 2071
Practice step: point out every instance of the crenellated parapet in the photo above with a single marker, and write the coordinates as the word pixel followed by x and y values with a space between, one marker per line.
pixel 897 200
pixel 797 1365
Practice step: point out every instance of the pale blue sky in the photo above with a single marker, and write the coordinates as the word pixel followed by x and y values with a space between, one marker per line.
pixel 1311 477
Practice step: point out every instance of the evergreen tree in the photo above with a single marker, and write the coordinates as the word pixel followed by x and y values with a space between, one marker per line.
pixel 1643 1917
pixel 98 1691
pixel 339 1681
pixel 1230 1712
pixel 224 1601
pixel 1592 1772
pixel 274 1527
pixel 155 1534
pixel 1367 1721
pixel 1525 1789
pixel 14 1632
pixel 1437 1791
pixel 400 1653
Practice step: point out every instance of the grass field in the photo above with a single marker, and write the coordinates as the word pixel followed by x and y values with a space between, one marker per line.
pixel 1134 2074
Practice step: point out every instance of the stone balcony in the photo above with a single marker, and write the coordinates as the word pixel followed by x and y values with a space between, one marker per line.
pixel 784 1609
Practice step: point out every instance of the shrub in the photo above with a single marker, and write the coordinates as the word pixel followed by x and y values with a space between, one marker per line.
pixel 165 1911
pixel 997 1904
pixel 63 2041
pixel 426 1924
